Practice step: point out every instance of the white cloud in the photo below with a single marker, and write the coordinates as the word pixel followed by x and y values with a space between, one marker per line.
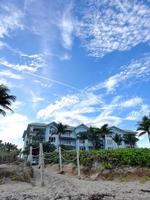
pixel 137 114
pixel 17 105
pixel 136 69
pixel 144 141
pixel 12 127
pixel 3 45
pixel 10 74
pixel 5 82
pixel 66 27
pixel 89 108
pixel 32 67
pixel 109 118
pixel 136 101
pixel 43 83
pixel 35 99
pixel 71 108
pixel 106 26
pixel 10 19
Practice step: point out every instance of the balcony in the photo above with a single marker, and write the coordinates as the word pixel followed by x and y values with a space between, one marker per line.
pixel 68 135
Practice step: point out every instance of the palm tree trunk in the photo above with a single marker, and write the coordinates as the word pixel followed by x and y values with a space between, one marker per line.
pixel 59 140
pixel 149 136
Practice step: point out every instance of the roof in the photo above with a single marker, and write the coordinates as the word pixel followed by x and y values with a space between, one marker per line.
pixel 37 124
pixel 41 125
pixel 53 123
pixel 122 130
pixel 130 131
pixel 81 125
pixel 70 128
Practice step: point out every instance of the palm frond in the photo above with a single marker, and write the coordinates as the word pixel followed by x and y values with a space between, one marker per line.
pixel 5 99
pixel 2 112
pixel 142 133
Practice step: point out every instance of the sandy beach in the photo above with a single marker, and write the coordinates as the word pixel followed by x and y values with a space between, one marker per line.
pixel 65 187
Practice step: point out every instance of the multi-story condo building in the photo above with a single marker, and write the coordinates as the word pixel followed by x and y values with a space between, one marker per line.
pixel 70 137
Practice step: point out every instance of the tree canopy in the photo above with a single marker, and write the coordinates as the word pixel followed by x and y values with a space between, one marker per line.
pixel 6 99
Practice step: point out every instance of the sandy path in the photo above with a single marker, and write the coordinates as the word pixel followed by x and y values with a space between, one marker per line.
pixel 61 187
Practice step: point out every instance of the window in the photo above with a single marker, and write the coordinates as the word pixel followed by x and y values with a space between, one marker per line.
pixel 51 131
pixel 52 139
pixel 109 142
pixel 82 148
pixel 82 141
pixel 68 133
pixel 67 142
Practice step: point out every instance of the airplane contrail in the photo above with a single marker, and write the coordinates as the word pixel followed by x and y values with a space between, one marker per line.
pixel 54 81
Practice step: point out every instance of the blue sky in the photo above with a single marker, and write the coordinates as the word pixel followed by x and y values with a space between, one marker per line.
pixel 75 62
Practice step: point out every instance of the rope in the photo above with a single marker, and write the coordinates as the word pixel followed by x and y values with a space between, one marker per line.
pixel 68 160
pixel 54 156
pixel 35 148
pixel 68 150
pixel 48 153
pixel 49 159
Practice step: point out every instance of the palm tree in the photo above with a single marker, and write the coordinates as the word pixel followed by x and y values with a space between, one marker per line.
pixel 93 135
pixel 105 130
pixel 5 99
pixel 130 139
pixel 60 131
pixel 83 135
pixel 38 137
pixel 117 139
pixel 144 126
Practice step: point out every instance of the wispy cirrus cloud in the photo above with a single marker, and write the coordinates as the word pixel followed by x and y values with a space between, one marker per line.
pixel 132 102
pixel 137 69
pixel 135 115
pixel 71 108
pixel 10 74
pixel 33 66
pixel 110 25
pixel 35 99
pixel 10 19
pixel 66 26
pixel 89 108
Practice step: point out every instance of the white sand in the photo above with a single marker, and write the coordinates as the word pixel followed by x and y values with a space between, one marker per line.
pixel 61 187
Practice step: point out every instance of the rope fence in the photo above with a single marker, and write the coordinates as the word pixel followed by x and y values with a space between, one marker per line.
pixel 60 156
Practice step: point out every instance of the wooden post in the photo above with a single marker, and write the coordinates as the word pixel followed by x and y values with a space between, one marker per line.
pixel 30 156
pixel 78 163
pixel 60 160
pixel 41 164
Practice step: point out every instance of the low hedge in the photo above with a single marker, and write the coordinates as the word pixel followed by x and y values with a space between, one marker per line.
pixel 8 157
pixel 117 157
pixel 108 158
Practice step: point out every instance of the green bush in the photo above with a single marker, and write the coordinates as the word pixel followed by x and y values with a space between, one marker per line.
pixel 117 157
pixel 107 158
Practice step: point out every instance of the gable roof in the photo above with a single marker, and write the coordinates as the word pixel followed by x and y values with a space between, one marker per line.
pixel 81 125
pixel 37 124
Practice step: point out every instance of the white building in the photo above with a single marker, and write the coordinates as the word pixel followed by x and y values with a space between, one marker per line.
pixel 70 138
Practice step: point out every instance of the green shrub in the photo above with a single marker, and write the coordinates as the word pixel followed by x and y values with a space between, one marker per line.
pixel 107 166
pixel 108 158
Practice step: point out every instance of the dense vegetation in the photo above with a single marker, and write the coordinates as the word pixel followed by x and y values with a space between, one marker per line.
pixel 47 147
pixel 106 158
pixel 8 152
